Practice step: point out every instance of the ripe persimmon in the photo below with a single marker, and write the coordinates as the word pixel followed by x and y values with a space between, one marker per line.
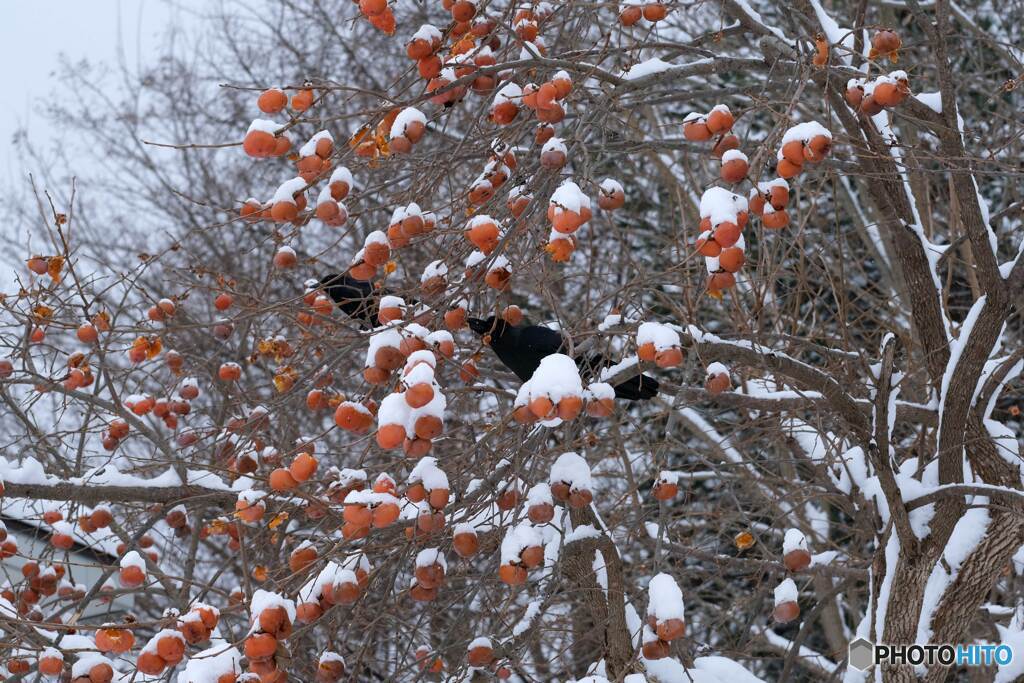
pixel 610 199
pixel 51 663
pixel 275 621
pixel 259 144
pixel 885 43
pixel 580 498
pixel 385 515
pixel 281 146
pixel 569 407
pixel 696 129
pixel 260 645
pixel 560 250
pixel 512 574
pixel 731 259
pixel 308 612
pixel 508 499
pixel 438 498
pixel 303 467
pixel 281 480
pixel 302 100
pixel 483 234
pixel 116 640
pixel 775 220
pixel 787 169
pixel 793 152
pixel 358 515
pixel 87 333
pixel 734 170
pixel 390 436
pixel 655 649
pixel 717 383
pixel 726 234
pixel 669 358
pixel 385 21
pixel 463 11
pixel 654 12
pixel 786 612
pixel 171 648
pixel 541 513
pixel 230 372
pixel 62 541
pixel 817 148
pixel 720 281
pixel 101 673
pixel 665 490
pixel 724 144
pixel 131 576
pixel 778 196
pixel 150 663
pixel 630 15
pixel 428 427
pixel 797 560
pixel 466 544
pixel 272 101
pixel 249 512
pixel 419 395
pixel 542 407
pixel 349 417
pixel 720 120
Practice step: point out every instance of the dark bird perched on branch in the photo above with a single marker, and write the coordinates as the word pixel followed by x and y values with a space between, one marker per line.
pixel 521 349
pixel 358 299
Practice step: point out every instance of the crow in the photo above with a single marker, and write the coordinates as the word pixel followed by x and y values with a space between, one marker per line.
pixel 521 350
pixel 358 299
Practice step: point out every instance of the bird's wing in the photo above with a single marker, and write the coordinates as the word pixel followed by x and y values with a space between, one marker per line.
pixel 357 302
pixel 542 340
pixel 522 349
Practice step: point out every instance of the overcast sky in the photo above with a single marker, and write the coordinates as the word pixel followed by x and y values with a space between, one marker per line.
pixel 33 36
pixel 34 33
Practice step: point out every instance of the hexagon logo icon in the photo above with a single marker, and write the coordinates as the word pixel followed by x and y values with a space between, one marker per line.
pixel 862 654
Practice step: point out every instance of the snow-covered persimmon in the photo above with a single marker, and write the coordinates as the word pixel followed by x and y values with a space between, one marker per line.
pixel 720 120
pixel 230 372
pixel 116 640
pixel 303 467
pixel 483 232
pixel 87 333
pixel 734 166
pixel 695 128
pixel 51 662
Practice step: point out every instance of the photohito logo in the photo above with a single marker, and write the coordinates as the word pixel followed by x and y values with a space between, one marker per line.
pixel 863 654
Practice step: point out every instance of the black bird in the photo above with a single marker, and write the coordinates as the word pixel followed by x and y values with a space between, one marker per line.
pixel 521 349
pixel 358 299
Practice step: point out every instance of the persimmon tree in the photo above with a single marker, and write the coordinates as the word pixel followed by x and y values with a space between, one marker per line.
pixel 800 218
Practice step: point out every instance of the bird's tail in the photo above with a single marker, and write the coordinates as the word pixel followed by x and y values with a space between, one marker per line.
pixel 638 388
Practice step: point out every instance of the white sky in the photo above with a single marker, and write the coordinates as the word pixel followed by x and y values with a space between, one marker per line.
pixel 33 36
pixel 34 33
